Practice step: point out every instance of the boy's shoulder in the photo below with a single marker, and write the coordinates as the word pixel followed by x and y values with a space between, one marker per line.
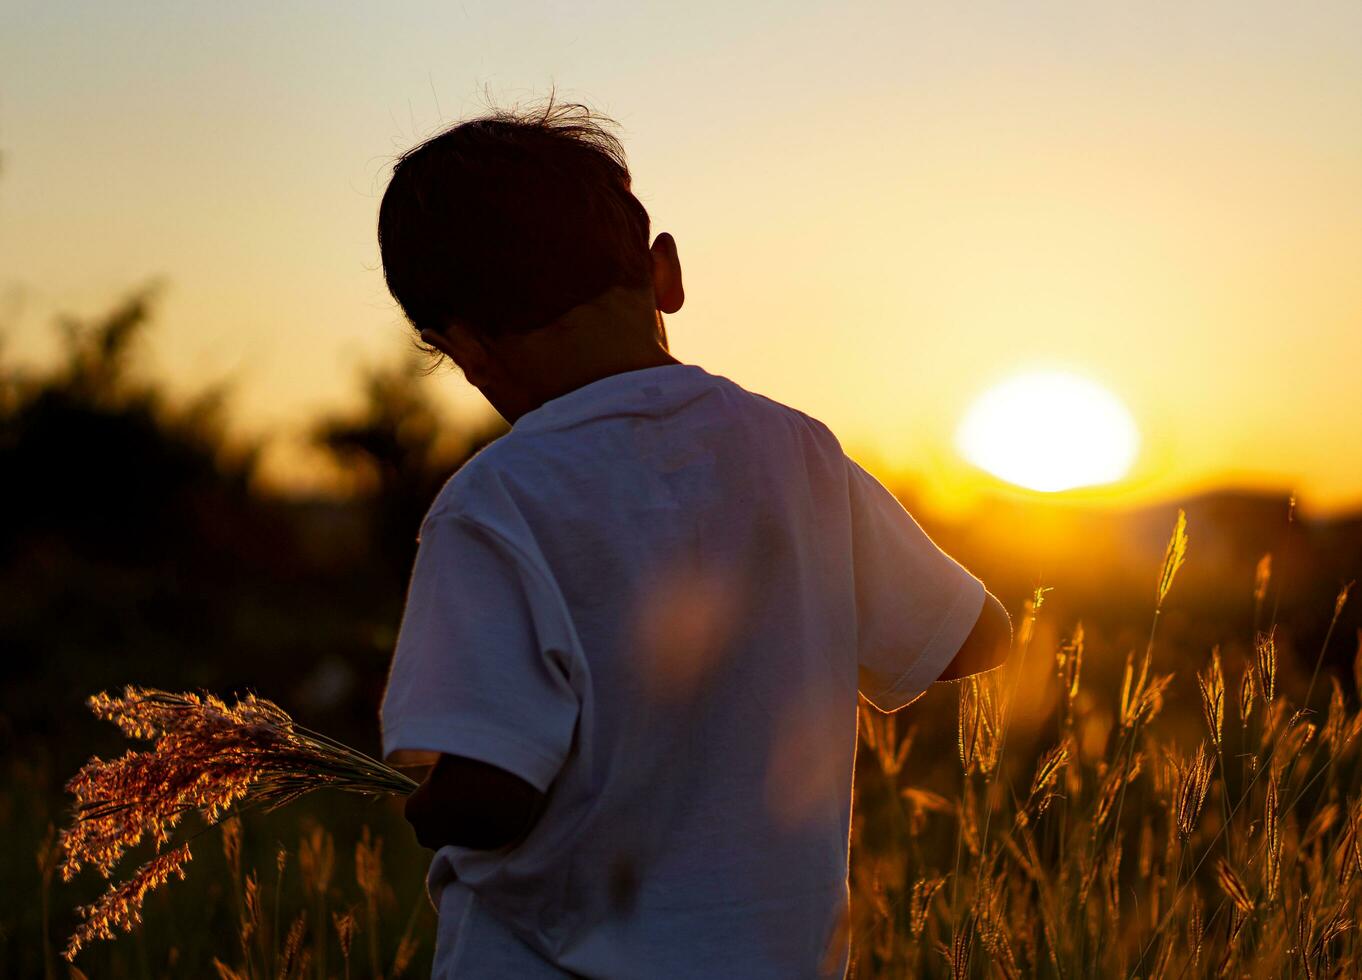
pixel 465 492
pixel 514 459
pixel 817 426
pixel 811 433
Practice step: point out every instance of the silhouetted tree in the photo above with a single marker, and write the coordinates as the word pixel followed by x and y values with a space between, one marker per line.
pixel 103 460
pixel 403 452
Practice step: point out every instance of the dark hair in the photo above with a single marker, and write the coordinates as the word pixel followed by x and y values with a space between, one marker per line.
pixel 507 221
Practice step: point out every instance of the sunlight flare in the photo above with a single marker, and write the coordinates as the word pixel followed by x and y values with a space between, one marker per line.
pixel 1049 431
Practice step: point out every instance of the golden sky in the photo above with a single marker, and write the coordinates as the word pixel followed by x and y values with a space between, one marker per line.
pixel 882 209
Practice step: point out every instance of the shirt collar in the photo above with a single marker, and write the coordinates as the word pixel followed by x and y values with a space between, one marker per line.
pixel 614 394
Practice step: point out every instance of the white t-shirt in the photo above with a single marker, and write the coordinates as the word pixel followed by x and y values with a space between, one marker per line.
pixel 655 599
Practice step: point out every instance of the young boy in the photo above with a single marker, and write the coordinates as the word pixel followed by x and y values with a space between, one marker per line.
pixel 638 622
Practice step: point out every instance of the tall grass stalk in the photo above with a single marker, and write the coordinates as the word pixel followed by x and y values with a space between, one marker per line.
pixel 1007 709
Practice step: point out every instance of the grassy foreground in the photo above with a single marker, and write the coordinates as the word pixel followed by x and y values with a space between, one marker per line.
pixel 1103 835
pixel 1097 817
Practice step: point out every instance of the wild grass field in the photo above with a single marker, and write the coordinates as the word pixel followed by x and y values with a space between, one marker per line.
pixel 1087 831
pixel 1165 780
pixel 1081 829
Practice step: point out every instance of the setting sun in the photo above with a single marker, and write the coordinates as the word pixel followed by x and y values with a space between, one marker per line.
pixel 1049 431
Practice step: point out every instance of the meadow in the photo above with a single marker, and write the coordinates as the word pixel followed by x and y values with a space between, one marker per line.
pixel 1165 780
pixel 1091 832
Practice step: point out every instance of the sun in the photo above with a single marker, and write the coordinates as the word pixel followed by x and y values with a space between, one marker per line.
pixel 1049 431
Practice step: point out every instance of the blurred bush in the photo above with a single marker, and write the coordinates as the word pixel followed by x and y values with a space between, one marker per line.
pixel 136 546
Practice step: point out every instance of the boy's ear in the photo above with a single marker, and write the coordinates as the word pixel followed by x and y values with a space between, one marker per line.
pixel 668 291
pixel 463 347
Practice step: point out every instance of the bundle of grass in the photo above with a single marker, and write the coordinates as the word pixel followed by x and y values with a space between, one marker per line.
pixel 206 756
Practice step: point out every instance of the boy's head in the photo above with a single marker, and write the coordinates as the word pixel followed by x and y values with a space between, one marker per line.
pixel 506 233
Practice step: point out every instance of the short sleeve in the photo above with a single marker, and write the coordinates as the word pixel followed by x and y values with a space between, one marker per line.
pixel 915 604
pixel 476 672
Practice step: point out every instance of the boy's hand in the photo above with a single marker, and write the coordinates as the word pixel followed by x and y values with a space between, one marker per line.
pixel 471 804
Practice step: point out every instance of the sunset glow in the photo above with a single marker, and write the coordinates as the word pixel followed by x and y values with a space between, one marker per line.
pixel 1049 431
pixel 1178 213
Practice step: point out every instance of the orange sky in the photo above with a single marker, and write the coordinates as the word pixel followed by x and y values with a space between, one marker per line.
pixel 882 209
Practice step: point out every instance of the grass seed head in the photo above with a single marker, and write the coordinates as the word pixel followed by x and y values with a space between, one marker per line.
pixel 1336 722
pixel 1320 824
pixel 369 864
pixel 1341 599
pixel 1233 887
pixel 1212 687
pixel 1196 929
pixel 231 844
pixel 293 945
pixel 1262 576
pixel 1048 770
pixel 1069 667
pixel 980 723
pixel 1265 660
pixel 316 860
pixel 120 907
pixel 921 803
pixel 1248 689
pixel 346 926
pixel 1115 778
pixel 920 903
pixel 1272 839
pixel 406 952
pixel 1194 780
pixel 1173 558
pixel 1141 694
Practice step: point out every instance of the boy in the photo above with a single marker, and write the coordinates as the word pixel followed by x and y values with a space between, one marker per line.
pixel 637 623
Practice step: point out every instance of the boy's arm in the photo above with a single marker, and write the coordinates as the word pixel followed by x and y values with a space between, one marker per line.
pixel 479 688
pixel 987 645
pixel 921 616
pixel 472 804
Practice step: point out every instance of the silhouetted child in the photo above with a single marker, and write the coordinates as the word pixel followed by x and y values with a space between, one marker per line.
pixel 638 622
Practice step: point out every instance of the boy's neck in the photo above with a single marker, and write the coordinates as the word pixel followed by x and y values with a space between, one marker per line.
pixel 569 377
pixel 577 351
